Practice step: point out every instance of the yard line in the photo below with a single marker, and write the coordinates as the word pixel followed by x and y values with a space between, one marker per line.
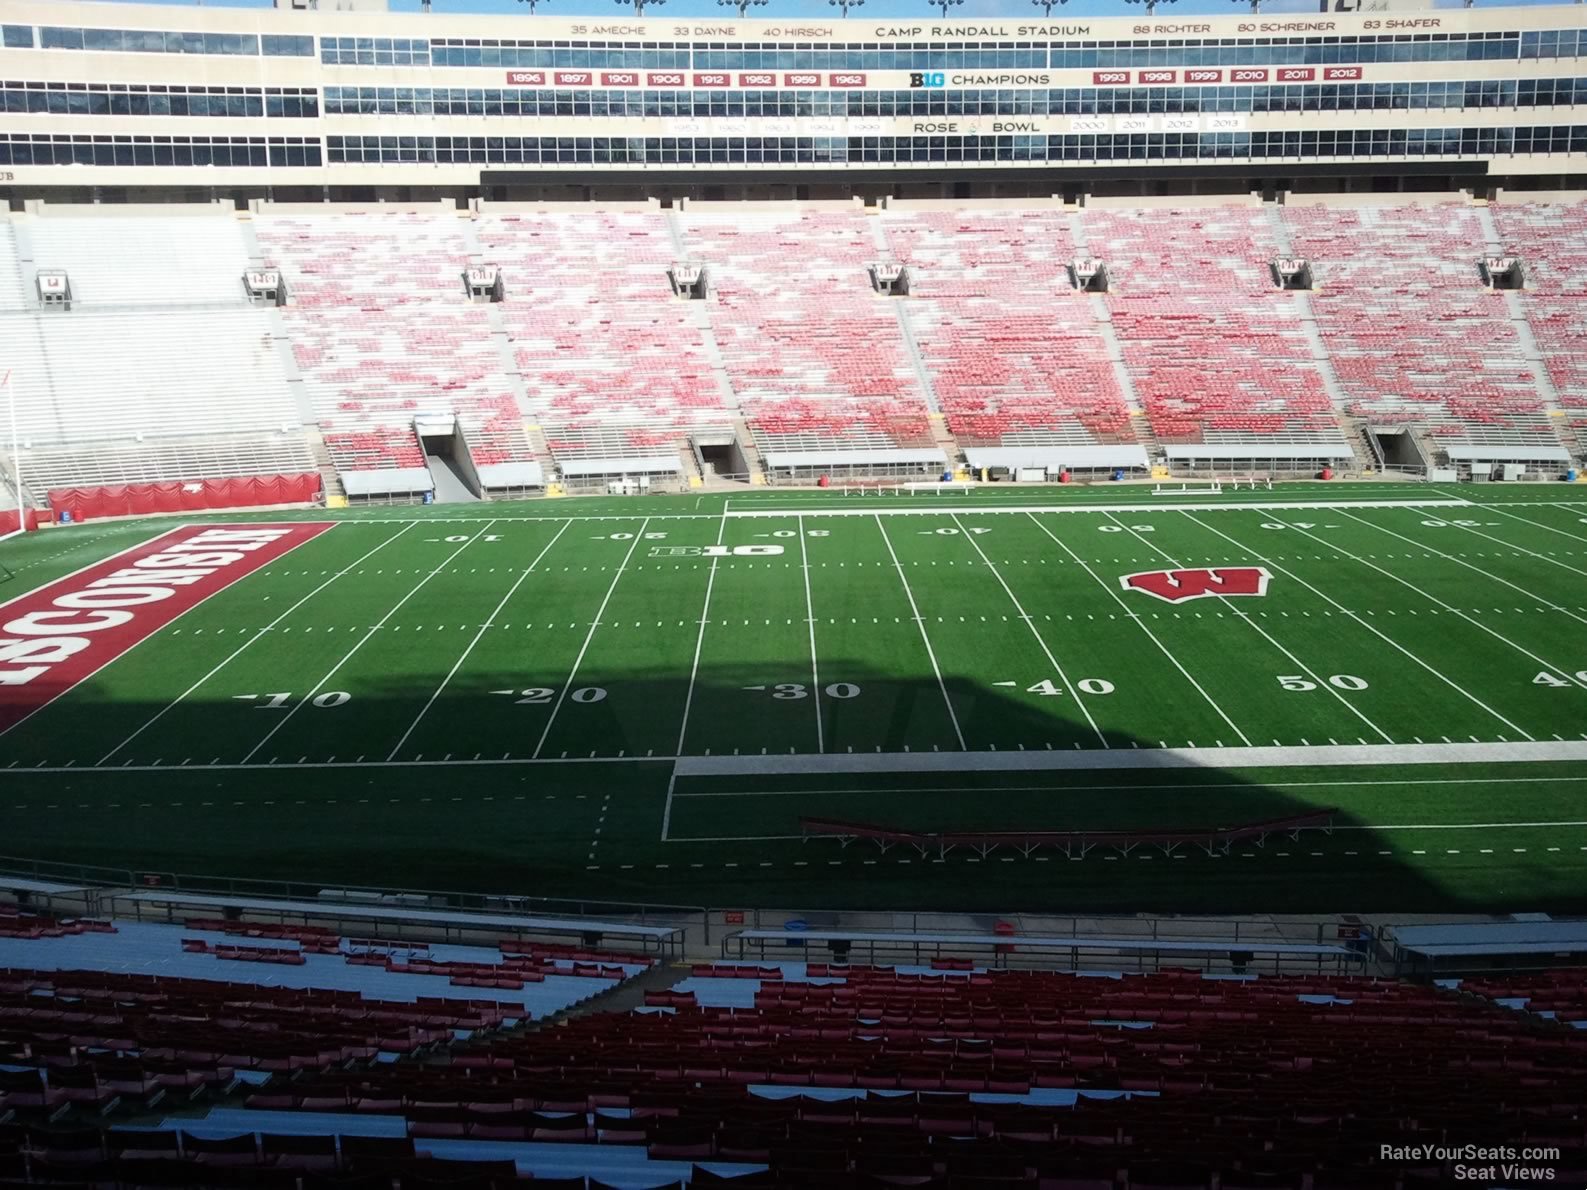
pixel 599 612
pixel 1370 628
pixel 364 640
pixel 478 636
pixel 1512 545
pixel 1431 598
pixel 810 619
pixel 252 640
pixel 1031 624
pixel 1144 627
pixel 1321 684
pixel 699 641
pixel 1477 569
pixel 1539 524
pixel 921 624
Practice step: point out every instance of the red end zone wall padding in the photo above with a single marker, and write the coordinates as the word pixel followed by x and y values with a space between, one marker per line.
pixel 8 521
pixel 137 499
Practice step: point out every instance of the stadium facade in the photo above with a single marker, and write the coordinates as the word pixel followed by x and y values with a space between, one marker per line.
pixel 295 105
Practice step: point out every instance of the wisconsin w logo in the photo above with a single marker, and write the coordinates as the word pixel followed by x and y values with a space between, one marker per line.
pixel 1175 586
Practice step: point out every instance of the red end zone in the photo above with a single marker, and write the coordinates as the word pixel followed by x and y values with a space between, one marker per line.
pixel 55 637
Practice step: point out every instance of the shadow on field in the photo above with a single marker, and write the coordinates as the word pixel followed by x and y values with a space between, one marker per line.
pixel 483 820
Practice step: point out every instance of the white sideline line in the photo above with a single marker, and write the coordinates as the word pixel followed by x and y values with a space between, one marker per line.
pixel 699 640
pixel 810 618
pixel 594 625
pixel 1431 598
pixel 938 510
pixel 1079 760
pixel 989 505
pixel 253 640
pixel 1369 627
pixel 1549 603
pixel 1304 668
pixel 1144 627
pixel 1074 693
pixel 1090 759
pixel 1407 826
pixel 921 624
pixel 490 621
pixel 1160 786
pixel 364 640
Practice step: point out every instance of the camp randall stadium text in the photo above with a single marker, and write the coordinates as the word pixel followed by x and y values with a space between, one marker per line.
pixel 1482 1163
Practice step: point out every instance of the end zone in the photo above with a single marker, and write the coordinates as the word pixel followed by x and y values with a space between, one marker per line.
pixel 57 636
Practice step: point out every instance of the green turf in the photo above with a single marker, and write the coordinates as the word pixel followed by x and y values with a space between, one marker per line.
pixel 505 688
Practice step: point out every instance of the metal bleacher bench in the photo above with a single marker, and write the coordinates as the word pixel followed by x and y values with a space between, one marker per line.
pixel 879 945
pixel 661 939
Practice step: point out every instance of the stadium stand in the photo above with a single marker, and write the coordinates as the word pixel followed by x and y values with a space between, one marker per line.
pixel 1414 336
pixel 784 1075
pixel 115 261
pixel 107 394
pixel 1217 352
pixel 13 296
pixel 384 335
pixel 1549 240
pixel 815 356
pixel 793 355
pixel 595 334
pixel 1013 350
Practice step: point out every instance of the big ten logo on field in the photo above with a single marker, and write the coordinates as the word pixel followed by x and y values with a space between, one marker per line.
pixel 932 78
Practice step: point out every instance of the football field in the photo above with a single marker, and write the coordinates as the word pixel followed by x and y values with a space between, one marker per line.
pixel 643 698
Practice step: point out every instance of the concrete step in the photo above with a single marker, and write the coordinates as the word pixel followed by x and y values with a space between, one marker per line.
pixel 626 997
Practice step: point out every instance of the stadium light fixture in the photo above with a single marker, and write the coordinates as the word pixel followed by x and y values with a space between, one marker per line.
pixel 1046 6
pixel 845 5
pixel 945 5
pixel 743 6
pixel 639 5
pixel 532 3
pixel 1151 5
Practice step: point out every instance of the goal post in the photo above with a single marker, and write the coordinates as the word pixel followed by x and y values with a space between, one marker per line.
pixel 9 395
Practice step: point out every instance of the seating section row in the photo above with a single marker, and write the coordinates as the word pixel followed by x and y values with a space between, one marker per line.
pixel 382 335
pixel 1551 242
pixel 1413 334
pixel 1012 349
pixel 1217 353
pixel 832 1075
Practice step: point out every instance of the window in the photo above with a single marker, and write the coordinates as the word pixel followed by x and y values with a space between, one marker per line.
pixel 16 37
pixel 60 149
pixel 146 41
